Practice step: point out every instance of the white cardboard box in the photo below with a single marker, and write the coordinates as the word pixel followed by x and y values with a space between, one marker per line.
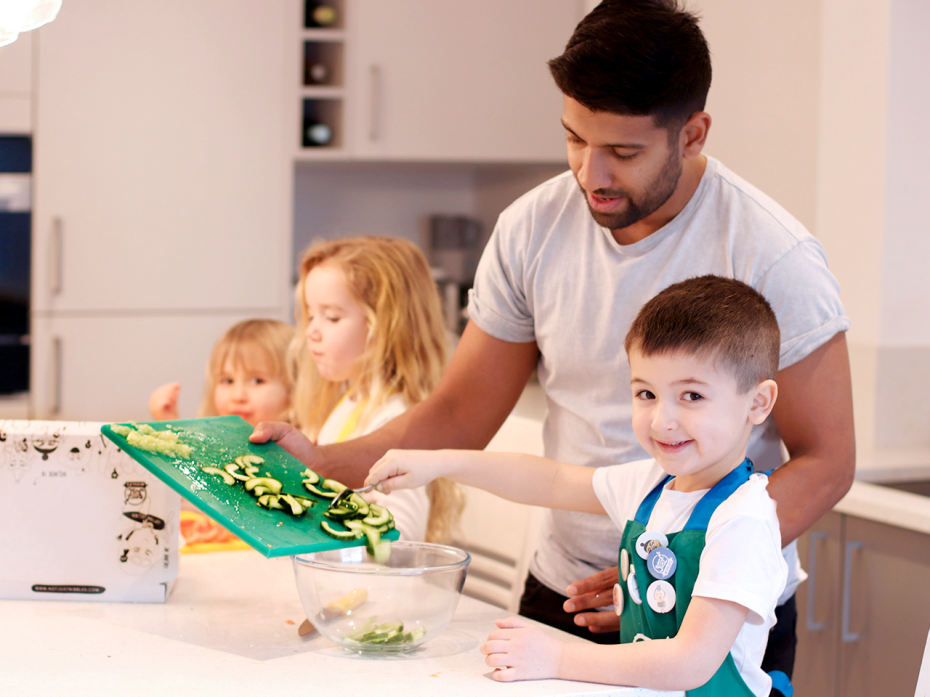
pixel 80 519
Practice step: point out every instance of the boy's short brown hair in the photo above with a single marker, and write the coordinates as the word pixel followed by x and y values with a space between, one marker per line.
pixel 711 316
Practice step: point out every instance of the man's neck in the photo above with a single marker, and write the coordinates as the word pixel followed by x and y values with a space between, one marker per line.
pixel 691 173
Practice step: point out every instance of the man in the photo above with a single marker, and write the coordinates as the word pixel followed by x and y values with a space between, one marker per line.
pixel 565 273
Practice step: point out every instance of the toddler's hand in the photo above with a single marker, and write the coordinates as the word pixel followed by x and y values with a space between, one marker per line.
pixel 163 404
pixel 402 469
pixel 518 650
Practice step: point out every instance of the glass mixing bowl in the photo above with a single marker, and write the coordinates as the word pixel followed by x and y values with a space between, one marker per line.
pixel 366 607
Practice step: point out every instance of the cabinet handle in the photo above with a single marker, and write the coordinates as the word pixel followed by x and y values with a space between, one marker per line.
pixel 374 113
pixel 55 260
pixel 848 636
pixel 54 397
pixel 815 539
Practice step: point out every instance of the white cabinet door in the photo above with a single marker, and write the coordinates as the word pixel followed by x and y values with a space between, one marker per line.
pixel 105 368
pixel 161 180
pixel 462 81
pixel 16 86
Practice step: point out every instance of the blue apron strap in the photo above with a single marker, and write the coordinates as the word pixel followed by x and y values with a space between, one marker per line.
pixel 705 508
pixel 644 512
pixel 781 683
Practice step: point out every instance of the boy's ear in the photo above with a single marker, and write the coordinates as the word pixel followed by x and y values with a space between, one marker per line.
pixel 766 392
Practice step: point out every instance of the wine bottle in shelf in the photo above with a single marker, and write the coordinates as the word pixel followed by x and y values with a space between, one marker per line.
pixel 320 14
pixel 316 133
pixel 315 73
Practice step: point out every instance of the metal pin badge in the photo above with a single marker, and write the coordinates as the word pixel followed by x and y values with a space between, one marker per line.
pixel 648 541
pixel 662 563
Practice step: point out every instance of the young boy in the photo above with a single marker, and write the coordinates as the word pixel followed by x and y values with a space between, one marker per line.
pixel 700 561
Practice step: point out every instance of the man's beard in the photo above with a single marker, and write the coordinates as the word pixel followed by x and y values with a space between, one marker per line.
pixel 655 194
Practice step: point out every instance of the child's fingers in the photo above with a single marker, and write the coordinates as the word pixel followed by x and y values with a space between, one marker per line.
pixel 498 660
pixel 492 646
pixel 512 622
pixel 505 675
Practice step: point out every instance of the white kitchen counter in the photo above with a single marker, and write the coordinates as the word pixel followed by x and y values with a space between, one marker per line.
pixel 230 628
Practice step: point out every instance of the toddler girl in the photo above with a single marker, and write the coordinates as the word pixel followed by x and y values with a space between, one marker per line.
pixel 247 375
pixel 371 344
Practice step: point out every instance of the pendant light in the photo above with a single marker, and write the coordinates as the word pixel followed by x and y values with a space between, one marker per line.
pixel 24 15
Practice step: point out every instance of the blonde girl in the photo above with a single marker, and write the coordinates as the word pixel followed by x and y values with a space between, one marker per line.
pixel 247 375
pixel 370 344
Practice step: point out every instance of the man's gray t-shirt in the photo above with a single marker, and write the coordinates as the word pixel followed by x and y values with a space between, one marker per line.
pixel 552 275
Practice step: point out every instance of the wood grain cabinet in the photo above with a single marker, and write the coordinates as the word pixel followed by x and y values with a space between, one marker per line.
pixel 864 613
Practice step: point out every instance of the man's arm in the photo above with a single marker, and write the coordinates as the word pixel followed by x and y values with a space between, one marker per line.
pixel 814 415
pixel 478 390
pixel 815 418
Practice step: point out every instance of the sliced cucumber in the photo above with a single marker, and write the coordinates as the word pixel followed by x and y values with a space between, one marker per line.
pixel 378 516
pixel 270 501
pixel 223 473
pixel 320 492
pixel 310 476
pixel 296 508
pixel 339 534
pixel 333 485
pixel 233 469
pixel 272 486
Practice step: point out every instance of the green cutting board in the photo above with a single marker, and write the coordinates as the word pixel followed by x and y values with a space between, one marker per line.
pixel 218 441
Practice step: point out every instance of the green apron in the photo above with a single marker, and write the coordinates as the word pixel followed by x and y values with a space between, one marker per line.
pixel 639 621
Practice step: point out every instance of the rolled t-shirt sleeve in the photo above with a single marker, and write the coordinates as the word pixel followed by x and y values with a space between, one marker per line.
pixel 805 298
pixel 498 301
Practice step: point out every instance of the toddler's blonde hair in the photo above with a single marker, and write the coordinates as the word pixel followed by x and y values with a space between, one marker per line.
pixel 406 346
pixel 270 337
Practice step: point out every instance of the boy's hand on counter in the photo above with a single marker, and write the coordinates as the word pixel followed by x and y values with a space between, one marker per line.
pixel 405 469
pixel 288 437
pixel 593 592
pixel 519 650
pixel 163 404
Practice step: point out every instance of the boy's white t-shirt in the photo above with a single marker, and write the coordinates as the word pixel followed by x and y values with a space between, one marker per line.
pixel 742 560
pixel 410 507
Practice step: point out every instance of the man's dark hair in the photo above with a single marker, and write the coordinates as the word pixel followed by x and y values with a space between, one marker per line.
pixel 711 317
pixel 638 58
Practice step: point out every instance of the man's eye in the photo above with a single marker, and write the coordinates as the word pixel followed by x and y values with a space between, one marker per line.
pixel 691 396
pixel 624 155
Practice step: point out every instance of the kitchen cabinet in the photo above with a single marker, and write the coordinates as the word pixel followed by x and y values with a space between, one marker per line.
pixel 864 614
pixel 161 181
pixel 162 199
pixel 433 81
pixel 103 368
pixel 16 86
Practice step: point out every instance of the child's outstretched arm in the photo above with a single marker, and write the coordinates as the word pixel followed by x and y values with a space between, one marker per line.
pixel 163 404
pixel 527 479
pixel 521 651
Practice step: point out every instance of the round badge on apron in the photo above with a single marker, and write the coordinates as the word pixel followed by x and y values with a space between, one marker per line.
pixel 624 564
pixel 661 596
pixel 648 541
pixel 662 563
pixel 618 599
pixel 633 588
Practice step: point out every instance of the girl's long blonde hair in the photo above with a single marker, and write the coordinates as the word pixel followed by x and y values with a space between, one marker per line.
pixel 271 338
pixel 406 347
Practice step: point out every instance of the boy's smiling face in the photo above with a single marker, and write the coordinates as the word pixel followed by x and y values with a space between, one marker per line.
pixel 689 415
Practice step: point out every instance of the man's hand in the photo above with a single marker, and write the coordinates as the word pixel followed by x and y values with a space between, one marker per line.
pixel 593 592
pixel 163 404
pixel 518 650
pixel 288 437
